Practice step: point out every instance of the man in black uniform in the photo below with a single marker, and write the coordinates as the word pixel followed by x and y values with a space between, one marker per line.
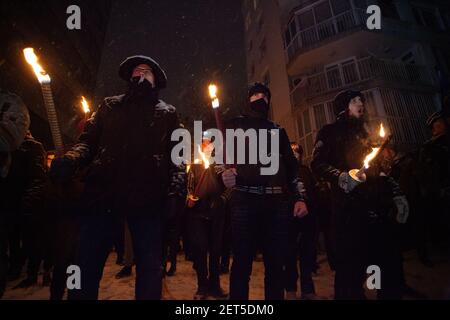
pixel 302 238
pixel 127 146
pixel 14 123
pixel 261 205
pixel 434 178
pixel 360 212
pixel 206 214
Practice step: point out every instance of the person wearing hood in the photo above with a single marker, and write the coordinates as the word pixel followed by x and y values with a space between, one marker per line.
pixel 434 179
pixel 206 213
pixel 361 213
pixel 14 184
pixel 126 146
pixel 262 205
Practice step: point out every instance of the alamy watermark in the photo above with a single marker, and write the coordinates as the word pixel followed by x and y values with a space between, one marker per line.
pixel 241 147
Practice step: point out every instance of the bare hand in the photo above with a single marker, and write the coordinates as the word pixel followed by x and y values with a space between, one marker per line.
pixel 229 177
pixel 300 209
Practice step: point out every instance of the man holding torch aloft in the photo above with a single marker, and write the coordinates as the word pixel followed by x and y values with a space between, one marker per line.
pixel 361 202
pixel 126 145
pixel 261 205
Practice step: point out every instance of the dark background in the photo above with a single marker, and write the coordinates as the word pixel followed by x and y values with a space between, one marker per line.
pixel 195 41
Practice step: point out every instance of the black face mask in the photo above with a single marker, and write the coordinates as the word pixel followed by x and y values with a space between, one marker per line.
pixel 260 106
pixel 142 89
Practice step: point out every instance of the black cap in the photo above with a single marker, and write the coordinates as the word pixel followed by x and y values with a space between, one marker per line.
pixel 127 67
pixel 259 87
pixel 343 98
pixel 434 117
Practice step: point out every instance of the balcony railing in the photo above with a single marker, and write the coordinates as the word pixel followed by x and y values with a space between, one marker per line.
pixel 357 71
pixel 324 30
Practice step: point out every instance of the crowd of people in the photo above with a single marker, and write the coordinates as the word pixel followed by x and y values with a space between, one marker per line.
pixel 118 190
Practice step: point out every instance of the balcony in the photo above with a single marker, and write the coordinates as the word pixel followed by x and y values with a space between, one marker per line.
pixel 305 39
pixel 357 72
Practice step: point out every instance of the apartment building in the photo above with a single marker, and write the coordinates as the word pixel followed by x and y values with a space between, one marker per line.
pixel 328 48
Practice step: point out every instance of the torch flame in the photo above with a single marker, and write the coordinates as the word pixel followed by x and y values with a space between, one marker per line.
pixel 370 157
pixel 32 60
pixel 85 105
pixel 212 91
pixel 204 158
pixel 382 132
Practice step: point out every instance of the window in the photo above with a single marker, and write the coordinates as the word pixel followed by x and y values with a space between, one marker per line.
pixel 305 20
pixel 306 122
pixel 333 77
pixel 319 116
pixel 322 11
pixel 300 126
pixel 349 72
pixel 340 6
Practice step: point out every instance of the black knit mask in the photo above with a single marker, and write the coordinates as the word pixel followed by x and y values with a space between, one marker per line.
pixel 260 107
pixel 142 88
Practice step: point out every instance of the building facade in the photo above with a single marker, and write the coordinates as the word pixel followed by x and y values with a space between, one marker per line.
pixel 329 48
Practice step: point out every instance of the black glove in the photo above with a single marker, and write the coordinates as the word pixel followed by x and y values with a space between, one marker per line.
pixel 62 170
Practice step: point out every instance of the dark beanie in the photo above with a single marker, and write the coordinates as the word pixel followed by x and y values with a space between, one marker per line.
pixel 343 98
pixel 258 87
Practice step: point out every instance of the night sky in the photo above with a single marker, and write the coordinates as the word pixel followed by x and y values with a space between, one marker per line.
pixel 195 41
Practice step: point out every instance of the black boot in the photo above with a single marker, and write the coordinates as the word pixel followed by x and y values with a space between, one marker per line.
pixel 172 269
pixel 26 283
pixel 124 272
pixel 46 279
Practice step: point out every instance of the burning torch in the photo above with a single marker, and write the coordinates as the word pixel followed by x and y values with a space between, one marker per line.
pixel 45 80
pixel 192 197
pixel 86 108
pixel 215 104
pixel 359 175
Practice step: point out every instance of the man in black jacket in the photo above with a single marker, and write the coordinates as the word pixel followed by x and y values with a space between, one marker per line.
pixel 206 214
pixel 17 186
pixel 261 205
pixel 303 238
pixel 127 146
pixel 359 211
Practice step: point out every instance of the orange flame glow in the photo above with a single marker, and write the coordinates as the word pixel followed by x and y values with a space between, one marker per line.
pixel 85 105
pixel 205 160
pixel 32 60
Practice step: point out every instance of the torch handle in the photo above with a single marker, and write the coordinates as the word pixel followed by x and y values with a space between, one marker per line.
pixel 52 117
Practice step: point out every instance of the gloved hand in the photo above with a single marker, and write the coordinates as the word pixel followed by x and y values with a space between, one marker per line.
pixel 300 209
pixel 346 182
pixel 62 170
pixel 229 177
pixel 402 209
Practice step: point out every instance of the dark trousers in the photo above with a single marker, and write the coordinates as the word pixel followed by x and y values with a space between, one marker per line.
pixel 36 238
pixel 351 253
pixel 361 243
pixel 263 217
pixel 206 236
pixel 16 252
pixel 96 239
pixel 64 249
pixel 302 236
pixel 3 254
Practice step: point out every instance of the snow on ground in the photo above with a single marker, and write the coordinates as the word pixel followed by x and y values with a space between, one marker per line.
pixel 433 282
